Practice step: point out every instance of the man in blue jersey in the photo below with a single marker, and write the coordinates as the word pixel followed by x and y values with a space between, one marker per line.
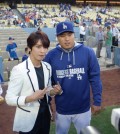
pixel 11 49
pixel 75 68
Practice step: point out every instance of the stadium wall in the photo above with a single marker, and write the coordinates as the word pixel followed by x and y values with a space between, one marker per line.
pixel 51 32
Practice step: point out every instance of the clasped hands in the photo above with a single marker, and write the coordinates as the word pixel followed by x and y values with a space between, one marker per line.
pixel 55 90
pixel 39 94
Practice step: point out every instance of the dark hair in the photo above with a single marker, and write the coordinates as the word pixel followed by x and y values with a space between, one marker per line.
pixel 26 48
pixel 39 29
pixel 35 37
pixel 84 24
pixel 108 27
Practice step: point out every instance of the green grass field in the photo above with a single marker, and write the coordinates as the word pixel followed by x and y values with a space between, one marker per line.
pixel 101 121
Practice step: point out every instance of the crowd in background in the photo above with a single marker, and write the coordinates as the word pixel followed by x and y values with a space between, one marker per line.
pixel 99 24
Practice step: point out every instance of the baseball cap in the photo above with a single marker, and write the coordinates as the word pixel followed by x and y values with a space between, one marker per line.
pixel 64 27
pixel 10 38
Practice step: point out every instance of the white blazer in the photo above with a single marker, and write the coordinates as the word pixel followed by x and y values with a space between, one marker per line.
pixel 23 82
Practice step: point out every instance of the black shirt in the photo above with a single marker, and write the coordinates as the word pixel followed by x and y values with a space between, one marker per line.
pixel 40 76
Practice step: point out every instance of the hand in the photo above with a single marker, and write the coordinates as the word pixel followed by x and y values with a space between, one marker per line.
pixel 95 109
pixel 57 89
pixel 1 99
pixel 39 94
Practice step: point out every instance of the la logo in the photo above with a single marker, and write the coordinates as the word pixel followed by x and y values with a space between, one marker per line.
pixel 64 26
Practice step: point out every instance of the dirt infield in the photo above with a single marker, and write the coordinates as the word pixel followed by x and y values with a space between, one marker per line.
pixel 111 96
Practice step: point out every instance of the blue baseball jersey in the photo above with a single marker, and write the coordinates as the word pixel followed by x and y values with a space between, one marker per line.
pixel 11 48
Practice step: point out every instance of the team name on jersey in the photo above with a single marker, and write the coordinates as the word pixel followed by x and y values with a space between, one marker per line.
pixel 70 73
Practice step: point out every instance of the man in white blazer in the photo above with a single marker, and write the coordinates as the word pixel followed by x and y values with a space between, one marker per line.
pixel 29 87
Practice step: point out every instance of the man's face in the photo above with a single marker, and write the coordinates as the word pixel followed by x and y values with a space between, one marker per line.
pixel 11 41
pixel 113 26
pixel 108 29
pixel 66 40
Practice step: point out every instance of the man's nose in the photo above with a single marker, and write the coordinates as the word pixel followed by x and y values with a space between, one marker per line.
pixel 66 37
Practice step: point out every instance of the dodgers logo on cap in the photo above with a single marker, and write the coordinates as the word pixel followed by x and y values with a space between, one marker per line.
pixel 64 27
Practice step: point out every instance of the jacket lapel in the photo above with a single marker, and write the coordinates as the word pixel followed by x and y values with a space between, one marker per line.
pixel 32 75
pixel 46 72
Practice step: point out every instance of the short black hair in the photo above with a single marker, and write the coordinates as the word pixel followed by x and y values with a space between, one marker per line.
pixel 34 37
pixel 84 24
pixel 108 27
pixel 26 48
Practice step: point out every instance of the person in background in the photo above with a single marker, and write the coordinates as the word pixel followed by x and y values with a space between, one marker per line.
pixel 11 49
pixel 115 33
pixel 35 21
pixel 25 56
pixel 1 79
pixel 39 29
pixel 99 40
pixel 99 19
pixel 75 67
pixel 45 25
pixel 82 29
pixel 119 39
pixel 108 42
pixel 29 88
pixel 15 22
pixel 1 91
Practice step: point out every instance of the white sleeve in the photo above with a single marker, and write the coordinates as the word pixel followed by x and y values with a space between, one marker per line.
pixel 13 97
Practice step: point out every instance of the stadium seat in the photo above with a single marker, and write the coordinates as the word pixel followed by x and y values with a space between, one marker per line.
pixel 8 65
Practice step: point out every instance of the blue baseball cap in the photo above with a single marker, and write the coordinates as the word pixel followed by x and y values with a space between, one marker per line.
pixel 10 38
pixel 64 27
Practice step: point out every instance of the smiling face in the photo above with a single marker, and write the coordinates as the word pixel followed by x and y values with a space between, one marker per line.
pixel 66 40
pixel 38 52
